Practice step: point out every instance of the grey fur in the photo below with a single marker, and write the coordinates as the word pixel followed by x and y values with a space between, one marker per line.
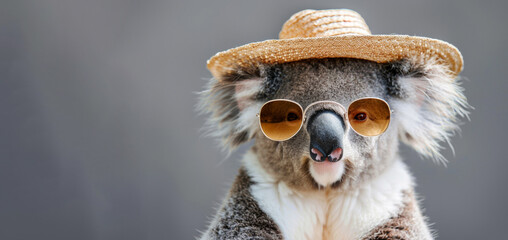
pixel 407 224
pixel 240 216
pixel 391 72
pixel 410 86
pixel 274 78
pixel 219 100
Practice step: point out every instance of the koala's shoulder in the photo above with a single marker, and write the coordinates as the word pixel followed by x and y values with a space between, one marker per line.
pixel 408 224
pixel 241 217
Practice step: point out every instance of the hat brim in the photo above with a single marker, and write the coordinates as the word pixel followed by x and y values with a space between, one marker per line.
pixel 377 48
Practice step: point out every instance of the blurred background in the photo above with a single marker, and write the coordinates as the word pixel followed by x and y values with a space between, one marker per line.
pixel 99 137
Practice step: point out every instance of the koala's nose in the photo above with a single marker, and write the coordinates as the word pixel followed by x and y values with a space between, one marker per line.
pixel 326 130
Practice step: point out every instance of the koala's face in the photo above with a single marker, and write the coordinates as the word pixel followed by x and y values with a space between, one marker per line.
pixel 425 101
pixel 297 160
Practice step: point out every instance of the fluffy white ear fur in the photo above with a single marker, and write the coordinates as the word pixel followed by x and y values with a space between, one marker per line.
pixel 233 110
pixel 429 113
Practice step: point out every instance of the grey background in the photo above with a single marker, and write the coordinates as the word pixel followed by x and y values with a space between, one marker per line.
pixel 99 138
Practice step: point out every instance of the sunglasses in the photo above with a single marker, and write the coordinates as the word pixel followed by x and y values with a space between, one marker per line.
pixel 282 119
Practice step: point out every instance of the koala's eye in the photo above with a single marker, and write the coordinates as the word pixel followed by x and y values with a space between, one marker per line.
pixel 292 116
pixel 360 117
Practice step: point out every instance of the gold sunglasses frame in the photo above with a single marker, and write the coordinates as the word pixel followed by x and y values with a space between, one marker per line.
pixel 318 102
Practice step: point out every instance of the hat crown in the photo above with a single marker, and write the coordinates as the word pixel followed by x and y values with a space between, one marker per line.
pixel 324 23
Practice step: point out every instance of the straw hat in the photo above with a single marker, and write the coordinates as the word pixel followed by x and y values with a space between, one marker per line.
pixel 337 33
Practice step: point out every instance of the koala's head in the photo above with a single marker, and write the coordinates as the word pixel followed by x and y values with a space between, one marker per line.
pixel 425 99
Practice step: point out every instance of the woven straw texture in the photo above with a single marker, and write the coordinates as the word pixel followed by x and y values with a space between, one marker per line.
pixel 338 33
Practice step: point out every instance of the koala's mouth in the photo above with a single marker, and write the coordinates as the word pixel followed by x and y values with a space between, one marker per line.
pixel 326 173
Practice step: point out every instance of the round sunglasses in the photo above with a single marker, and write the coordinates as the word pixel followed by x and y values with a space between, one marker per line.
pixel 282 119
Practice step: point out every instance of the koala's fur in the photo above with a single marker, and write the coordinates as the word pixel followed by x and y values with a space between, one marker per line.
pixel 276 194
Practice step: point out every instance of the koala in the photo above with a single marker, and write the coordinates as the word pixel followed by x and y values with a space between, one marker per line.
pixel 283 191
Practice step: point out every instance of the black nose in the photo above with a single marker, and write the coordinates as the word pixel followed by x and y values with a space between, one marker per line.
pixel 326 130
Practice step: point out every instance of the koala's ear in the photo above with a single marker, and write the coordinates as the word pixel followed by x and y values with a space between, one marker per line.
pixel 231 102
pixel 428 101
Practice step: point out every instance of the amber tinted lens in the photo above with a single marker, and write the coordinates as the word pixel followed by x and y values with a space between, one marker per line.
pixel 280 119
pixel 369 117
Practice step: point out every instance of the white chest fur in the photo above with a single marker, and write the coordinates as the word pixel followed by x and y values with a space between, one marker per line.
pixel 327 214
